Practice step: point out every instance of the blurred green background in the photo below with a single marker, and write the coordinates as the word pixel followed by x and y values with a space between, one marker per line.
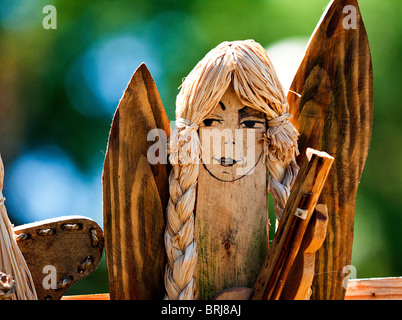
pixel 59 90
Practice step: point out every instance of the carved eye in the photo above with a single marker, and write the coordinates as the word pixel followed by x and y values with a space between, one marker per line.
pixel 249 123
pixel 210 122
pixel 252 124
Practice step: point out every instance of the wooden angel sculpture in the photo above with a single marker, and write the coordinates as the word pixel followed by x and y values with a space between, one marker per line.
pixel 217 207
pixel 197 225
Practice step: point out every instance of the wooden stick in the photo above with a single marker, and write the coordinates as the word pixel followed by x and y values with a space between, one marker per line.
pixel 310 181
pixel 95 296
pixel 294 244
pixel 298 283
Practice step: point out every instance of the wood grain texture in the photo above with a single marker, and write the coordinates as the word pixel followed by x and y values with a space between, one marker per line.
pixel 135 193
pixel 298 284
pixel 357 289
pixel 234 293
pixel 231 229
pixel 334 114
pixel 73 245
pixel 231 215
pixel 305 192
pixel 374 289
pixel 96 296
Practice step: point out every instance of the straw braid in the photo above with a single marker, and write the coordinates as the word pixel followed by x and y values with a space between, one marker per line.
pixel 280 142
pixel 247 66
pixel 12 262
pixel 181 247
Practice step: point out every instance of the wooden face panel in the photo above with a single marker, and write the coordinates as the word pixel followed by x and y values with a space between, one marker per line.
pixel 231 139
pixel 231 207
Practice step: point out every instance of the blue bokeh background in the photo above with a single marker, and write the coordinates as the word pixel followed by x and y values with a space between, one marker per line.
pixel 59 89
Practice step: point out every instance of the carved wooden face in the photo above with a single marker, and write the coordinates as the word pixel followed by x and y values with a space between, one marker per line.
pixel 231 212
pixel 231 139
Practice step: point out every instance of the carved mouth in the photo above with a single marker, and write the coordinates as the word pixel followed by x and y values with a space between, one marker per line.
pixel 241 160
pixel 226 162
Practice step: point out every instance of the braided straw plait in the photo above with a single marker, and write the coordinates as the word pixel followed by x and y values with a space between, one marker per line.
pixel 247 66
pixel 12 262
pixel 181 248
pixel 280 141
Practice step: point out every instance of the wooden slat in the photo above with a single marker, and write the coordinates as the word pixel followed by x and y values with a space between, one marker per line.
pixel 357 289
pixel 334 114
pixel 134 194
pixel 374 289
pixel 298 284
pixel 288 238
pixel 96 296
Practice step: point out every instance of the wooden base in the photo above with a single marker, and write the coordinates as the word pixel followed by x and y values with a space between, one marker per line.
pixel 357 289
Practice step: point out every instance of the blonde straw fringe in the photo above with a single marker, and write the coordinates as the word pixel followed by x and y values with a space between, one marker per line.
pixel 246 65
pixel 12 261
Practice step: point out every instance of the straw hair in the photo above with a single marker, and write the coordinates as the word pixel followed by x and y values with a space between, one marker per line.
pixel 247 66
pixel 12 261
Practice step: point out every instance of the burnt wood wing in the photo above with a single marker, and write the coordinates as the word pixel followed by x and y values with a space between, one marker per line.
pixel 135 194
pixel 334 114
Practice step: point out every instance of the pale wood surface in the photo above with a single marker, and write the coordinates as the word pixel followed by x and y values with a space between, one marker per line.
pixel 334 113
pixel 231 219
pixel 374 289
pixel 135 194
pixel 73 245
pixel 288 237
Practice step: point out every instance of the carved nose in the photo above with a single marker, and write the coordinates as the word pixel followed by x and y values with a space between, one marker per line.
pixel 228 142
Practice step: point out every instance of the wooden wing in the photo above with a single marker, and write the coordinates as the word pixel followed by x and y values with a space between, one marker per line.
pixel 334 114
pixel 59 252
pixel 135 194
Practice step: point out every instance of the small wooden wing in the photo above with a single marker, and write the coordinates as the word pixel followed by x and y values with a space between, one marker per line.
pixel 135 194
pixel 298 284
pixel 59 252
pixel 334 114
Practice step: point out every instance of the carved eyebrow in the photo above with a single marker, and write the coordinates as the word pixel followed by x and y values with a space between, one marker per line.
pixel 248 112
pixel 216 116
pixel 222 105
